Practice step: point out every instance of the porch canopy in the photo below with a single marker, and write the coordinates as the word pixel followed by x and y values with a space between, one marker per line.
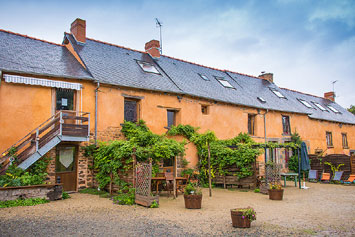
pixel 41 82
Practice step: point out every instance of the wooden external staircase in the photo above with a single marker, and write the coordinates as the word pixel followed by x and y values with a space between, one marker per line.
pixel 63 126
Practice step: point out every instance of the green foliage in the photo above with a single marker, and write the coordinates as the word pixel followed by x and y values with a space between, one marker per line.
pixel 187 171
pixel 23 202
pixel 333 167
pixel 352 109
pixel 184 130
pixel 65 195
pixel 92 191
pixel 293 163
pixel 248 212
pixel 34 175
pixel 115 157
pixel 154 204
pixel 125 197
pixel 257 190
pixel 192 189
pixel 89 150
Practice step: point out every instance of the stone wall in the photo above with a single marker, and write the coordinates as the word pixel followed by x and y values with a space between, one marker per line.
pixel 49 192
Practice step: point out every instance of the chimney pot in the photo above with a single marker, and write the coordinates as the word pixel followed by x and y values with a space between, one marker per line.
pixel 267 76
pixel 78 29
pixel 329 95
pixel 153 48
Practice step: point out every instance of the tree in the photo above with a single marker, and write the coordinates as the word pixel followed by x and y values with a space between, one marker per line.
pixel 352 109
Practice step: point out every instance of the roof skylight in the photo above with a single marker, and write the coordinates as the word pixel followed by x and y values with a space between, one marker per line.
pixel 278 93
pixel 261 99
pixel 320 106
pixel 224 82
pixel 204 77
pixel 305 103
pixel 333 109
pixel 148 67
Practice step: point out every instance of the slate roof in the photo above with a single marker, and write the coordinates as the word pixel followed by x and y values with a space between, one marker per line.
pixel 116 65
pixel 24 54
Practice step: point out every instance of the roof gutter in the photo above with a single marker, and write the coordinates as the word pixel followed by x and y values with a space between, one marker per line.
pixel 96 109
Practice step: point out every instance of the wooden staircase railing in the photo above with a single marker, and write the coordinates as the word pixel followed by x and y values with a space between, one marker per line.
pixel 63 123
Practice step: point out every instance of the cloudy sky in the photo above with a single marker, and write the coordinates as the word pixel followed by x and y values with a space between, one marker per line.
pixel 306 44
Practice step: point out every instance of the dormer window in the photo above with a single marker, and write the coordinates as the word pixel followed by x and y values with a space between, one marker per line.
pixel 333 109
pixel 278 93
pixel 305 103
pixel 224 82
pixel 261 99
pixel 148 67
pixel 204 77
pixel 320 106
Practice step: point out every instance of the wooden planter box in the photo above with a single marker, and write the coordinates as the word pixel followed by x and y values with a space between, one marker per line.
pixel 50 192
pixel 276 194
pixel 238 221
pixel 193 201
pixel 146 201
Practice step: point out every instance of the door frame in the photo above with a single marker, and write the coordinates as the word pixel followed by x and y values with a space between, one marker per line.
pixel 76 159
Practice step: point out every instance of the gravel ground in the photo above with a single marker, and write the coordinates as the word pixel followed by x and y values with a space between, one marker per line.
pixel 322 210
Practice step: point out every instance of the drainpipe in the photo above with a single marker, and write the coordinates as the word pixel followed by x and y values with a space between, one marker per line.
pixel 96 98
pixel 265 134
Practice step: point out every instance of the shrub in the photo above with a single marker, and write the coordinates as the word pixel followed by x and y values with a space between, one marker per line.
pixel 92 191
pixel 65 195
pixel 23 202
pixel 125 198
pixel 154 204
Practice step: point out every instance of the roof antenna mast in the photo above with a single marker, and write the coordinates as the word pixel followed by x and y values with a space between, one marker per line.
pixel 160 24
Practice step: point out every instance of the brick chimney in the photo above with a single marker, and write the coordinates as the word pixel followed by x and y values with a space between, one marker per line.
pixel 78 29
pixel 267 76
pixel 153 48
pixel 330 96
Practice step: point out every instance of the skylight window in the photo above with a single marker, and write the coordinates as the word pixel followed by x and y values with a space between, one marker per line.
pixel 204 77
pixel 224 82
pixel 148 67
pixel 305 103
pixel 278 93
pixel 333 109
pixel 261 99
pixel 320 106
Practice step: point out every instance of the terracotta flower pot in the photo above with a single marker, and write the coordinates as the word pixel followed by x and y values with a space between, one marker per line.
pixel 238 220
pixel 276 194
pixel 193 201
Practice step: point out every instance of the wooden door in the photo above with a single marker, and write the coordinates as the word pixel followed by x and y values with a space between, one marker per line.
pixel 66 167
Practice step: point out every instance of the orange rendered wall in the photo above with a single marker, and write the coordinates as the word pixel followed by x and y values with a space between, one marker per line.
pixel 25 107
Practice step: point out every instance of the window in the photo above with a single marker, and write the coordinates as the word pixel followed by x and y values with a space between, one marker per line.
pixel 204 77
pixel 204 109
pixel 171 118
pixel 64 99
pixel 261 99
pixel 305 103
pixel 329 138
pixel 130 110
pixel 286 128
pixel 224 82
pixel 65 159
pixel 148 67
pixel 251 124
pixel 320 106
pixel 345 140
pixel 278 93
pixel 333 109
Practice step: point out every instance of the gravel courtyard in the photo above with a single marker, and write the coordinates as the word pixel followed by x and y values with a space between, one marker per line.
pixel 322 210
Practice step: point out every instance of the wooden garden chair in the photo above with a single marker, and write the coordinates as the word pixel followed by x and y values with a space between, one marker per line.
pixel 350 180
pixel 338 175
pixel 182 183
pixel 169 182
pixel 325 178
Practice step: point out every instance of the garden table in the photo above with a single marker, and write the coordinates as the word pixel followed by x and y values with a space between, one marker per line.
pixel 294 175
pixel 159 180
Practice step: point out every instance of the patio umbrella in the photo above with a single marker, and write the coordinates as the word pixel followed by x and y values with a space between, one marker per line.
pixel 304 162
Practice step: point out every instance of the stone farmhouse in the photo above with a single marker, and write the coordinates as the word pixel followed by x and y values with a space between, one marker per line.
pixel 55 97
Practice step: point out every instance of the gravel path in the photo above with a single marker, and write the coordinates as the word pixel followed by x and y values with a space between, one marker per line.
pixel 323 210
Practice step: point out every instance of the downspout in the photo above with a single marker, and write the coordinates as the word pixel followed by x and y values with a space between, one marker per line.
pixel 96 99
pixel 265 150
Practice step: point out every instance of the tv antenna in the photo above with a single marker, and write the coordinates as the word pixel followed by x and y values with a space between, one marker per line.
pixel 333 82
pixel 160 24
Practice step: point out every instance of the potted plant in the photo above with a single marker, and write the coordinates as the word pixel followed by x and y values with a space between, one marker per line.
pixel 242 217
pixel 275 191
pixel 192 196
